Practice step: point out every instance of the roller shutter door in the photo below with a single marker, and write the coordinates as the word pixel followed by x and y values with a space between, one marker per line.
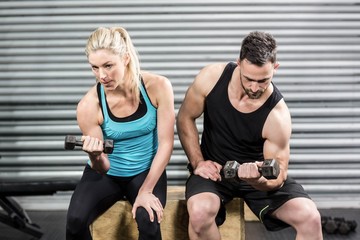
pixel 44 73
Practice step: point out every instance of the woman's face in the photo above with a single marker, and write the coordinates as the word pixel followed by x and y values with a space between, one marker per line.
pixel 108 68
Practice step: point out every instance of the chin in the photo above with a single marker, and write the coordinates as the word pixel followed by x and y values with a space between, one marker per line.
pixel 109 87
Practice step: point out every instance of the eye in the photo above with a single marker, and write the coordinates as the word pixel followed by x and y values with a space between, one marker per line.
pixel 263 81
pixel 108 66
pixel 94 68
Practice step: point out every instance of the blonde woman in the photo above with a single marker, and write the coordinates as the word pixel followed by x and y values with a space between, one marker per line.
pixel 136 110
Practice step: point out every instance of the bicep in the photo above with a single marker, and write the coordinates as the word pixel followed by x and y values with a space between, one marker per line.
pixel 193 104
pixel 277 131
pixel 87 118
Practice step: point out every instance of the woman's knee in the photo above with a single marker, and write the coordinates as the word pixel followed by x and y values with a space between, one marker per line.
pixel 77 227
pixel 75 222
pixel 147 228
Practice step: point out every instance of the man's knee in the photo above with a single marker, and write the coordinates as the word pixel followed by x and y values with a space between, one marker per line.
pixel 308 218
pixel 313 219
pixel 308 225
pixel 310 213
pixel 201 213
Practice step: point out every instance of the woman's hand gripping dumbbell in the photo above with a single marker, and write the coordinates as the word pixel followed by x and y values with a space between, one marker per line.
pixel 71 142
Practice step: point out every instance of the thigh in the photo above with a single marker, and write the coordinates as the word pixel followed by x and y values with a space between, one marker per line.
pixel 295 210
pixel 264 204
pixel 136 182
pixel 196 185
pixel 93 195
pixel 201 192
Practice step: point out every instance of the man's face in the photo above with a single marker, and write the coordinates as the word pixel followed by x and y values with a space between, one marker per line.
pixel 256 79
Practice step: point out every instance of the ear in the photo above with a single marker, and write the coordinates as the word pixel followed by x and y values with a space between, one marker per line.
pixel 276 65
pixel 126 59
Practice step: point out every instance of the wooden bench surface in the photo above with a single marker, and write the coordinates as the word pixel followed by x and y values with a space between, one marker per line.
pixel 117 222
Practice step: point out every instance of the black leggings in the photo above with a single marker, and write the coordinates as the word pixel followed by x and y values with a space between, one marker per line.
pixel 95 193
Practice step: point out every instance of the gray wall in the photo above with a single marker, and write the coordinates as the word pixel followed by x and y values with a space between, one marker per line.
pixel 44 73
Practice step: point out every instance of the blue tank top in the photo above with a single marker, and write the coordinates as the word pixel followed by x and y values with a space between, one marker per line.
pixel 229 134
pixel 135 137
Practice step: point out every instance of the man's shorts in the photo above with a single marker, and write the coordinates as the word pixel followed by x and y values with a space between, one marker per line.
pixel 261 203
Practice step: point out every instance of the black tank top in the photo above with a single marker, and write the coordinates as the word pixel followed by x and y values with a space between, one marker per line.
pixel 229 134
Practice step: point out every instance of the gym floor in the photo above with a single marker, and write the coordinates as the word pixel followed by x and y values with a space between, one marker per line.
pixel 53 225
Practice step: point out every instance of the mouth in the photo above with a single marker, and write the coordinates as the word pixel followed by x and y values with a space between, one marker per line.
pixel 254 95
pixel 106 82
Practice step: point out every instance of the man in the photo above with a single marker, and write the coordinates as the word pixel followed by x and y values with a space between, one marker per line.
pixel 245 119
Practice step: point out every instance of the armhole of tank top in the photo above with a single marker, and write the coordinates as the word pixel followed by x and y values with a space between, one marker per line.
pixel 98 88
pixel 273 99
pixel 145 93
pixel 278 92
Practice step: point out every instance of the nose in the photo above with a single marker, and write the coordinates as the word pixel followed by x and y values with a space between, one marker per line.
pixel 254 86
pixel 102 73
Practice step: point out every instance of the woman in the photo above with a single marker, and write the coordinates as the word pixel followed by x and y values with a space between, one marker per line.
pixel 136 110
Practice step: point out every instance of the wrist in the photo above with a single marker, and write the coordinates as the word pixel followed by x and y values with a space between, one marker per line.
pixel 94 157
pixel 145 190
pixel 259 181
pixel 195 164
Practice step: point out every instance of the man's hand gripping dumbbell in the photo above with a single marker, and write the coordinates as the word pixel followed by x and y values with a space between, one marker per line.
pixel 269 169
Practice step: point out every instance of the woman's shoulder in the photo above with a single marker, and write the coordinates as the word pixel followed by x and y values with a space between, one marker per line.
pixel 158 87
pixel 154 81
pixel 149 77
pixel 89 99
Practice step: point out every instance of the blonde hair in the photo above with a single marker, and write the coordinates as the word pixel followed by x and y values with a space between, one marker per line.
pixel 118 41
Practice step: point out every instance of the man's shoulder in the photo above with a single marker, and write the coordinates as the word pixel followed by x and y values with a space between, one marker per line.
pixel 212 72
pixel 215 67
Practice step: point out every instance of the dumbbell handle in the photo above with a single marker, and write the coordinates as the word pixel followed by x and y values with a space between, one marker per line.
pixel 79 143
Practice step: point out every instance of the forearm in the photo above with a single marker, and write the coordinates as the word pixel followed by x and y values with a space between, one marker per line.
pixel 100 163
pixel 189 138
pixel 264 184
pixel 158 166
pixel 97 157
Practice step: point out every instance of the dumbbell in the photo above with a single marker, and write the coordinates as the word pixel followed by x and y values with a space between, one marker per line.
pixel 345 226
pixel 329 224
pixel 269 169
pixel 71 142
pixel 340 225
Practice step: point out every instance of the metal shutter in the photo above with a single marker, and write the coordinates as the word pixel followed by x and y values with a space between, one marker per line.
pixel 44 73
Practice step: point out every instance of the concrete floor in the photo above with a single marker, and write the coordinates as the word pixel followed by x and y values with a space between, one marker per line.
pixel 53 225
